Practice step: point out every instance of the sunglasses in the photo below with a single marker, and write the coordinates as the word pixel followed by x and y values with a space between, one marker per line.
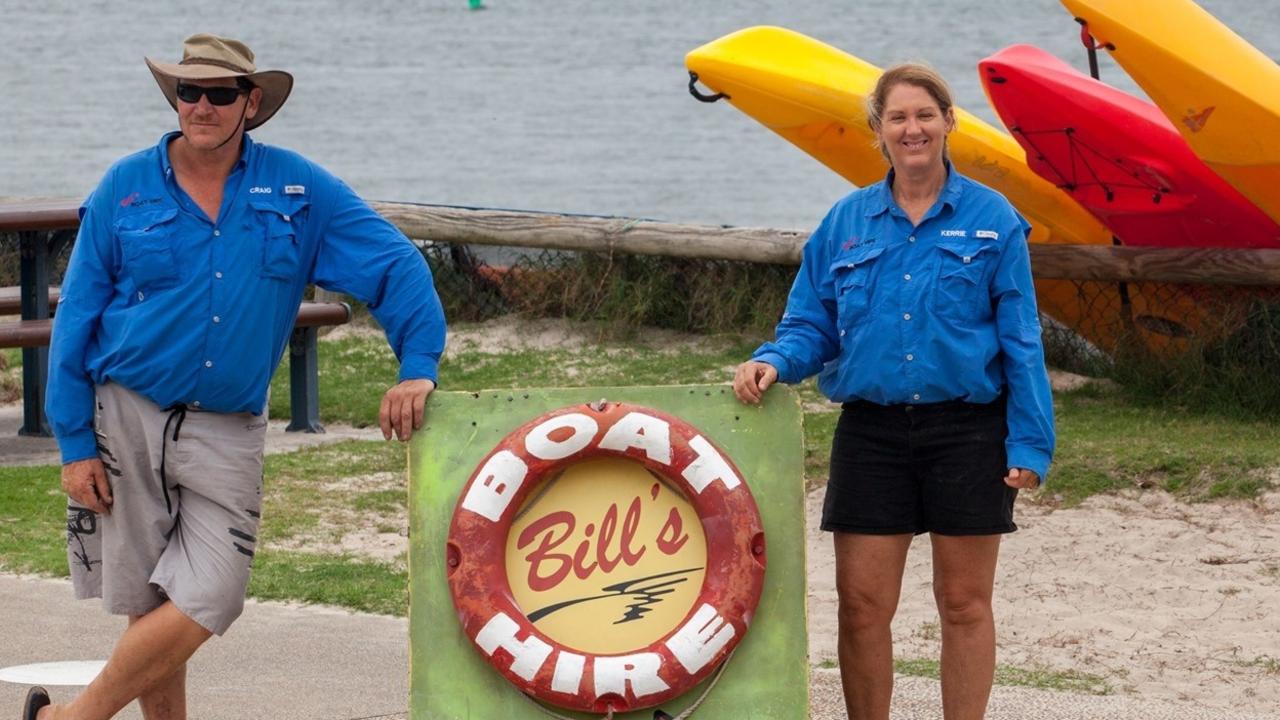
pixel 217 95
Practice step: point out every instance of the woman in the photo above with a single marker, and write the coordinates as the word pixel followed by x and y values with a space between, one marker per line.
pixel 915 303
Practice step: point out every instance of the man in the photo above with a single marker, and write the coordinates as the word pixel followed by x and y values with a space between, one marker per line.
pixel 176 308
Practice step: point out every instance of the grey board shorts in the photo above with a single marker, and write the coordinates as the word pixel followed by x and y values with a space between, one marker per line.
pixel 195 546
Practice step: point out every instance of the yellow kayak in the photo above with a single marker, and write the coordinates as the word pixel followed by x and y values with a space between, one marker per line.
pixel 814 95
pixel 1221 93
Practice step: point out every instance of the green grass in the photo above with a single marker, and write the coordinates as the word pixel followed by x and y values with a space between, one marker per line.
pixel 1106 443
pixel 10 374
pixel 355 372
pixel 1035 677
pixel 304 497
pixel 330 580
pixel 313 497
pixel 33 511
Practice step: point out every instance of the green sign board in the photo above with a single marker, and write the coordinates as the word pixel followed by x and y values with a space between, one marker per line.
pixel 767 674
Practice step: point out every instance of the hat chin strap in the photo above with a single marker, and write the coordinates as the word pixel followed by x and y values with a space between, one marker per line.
pixel 239 124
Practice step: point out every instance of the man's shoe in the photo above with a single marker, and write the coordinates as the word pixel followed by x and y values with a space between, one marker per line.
pixel 37 697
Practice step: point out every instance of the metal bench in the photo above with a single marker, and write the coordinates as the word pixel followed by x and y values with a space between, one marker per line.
pixel 304 391
pixel 43 230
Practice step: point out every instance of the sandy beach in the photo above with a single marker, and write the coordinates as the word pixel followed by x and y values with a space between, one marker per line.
pixel 1162 599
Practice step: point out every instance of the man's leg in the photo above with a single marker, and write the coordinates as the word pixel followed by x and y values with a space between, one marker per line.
pixel 167 699
pixel 868 581
pixel 147 662
pixel 964 570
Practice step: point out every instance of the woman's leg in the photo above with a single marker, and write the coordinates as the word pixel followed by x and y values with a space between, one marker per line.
pixel 964 571
pixel 868 582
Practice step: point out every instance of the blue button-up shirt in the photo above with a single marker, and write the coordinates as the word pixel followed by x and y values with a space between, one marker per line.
pixel 184 309
pixel 892 312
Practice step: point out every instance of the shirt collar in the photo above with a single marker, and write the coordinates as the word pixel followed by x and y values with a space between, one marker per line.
pixel 882 200
pixel 246 146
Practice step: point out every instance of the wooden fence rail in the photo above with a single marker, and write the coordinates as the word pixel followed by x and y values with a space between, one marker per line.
pixel 439 223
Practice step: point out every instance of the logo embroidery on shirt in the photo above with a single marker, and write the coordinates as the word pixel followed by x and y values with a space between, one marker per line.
pixel 854 242
pixel 954 233
pixel 132 199
pixel 992 234
pixel 257 190
pixel 295 190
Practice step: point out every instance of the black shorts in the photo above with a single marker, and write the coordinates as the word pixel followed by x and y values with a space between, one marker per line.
pixel 936 467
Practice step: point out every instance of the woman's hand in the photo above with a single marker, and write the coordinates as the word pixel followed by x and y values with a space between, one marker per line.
pixel 1022 479
pixel 751 380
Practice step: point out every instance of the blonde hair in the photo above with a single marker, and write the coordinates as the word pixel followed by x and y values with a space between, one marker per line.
pixel 911 73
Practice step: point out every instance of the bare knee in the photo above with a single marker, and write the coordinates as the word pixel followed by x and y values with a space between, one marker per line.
pixel 860 610
pixel 963 607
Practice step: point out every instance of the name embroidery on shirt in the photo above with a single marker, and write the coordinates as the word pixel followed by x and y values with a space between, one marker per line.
pixel 260 190
pixel 954 233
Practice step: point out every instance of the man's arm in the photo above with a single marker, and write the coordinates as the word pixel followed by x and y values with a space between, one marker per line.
pixel 86 291
pixel 365 256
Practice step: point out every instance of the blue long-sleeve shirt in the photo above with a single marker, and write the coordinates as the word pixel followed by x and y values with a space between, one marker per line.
pixel 945 310
pixel 182 309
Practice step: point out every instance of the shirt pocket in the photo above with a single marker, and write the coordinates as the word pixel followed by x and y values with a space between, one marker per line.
pixel 277 229
pixel 854 280
pixel 146 249
pixel 960 289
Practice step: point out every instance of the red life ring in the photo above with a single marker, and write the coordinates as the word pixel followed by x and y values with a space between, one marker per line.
pixel 565 676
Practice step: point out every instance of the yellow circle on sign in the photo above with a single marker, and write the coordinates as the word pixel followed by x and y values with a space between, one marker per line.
pixel 607 557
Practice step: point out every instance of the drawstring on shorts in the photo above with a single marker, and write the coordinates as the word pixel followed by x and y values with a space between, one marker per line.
pixel 179 411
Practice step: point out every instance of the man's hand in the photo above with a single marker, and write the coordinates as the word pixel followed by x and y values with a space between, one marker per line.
pixel 752 379
pixel 403 407
pixel 85 481
pixel 1022 479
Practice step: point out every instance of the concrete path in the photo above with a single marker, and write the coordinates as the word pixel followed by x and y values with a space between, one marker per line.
pixel 278 661
pixel 290 662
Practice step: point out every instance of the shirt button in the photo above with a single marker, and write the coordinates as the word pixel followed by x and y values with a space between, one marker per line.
pixel 196 403
pixel 140 295
pixel 208 363
pixel 841 333
pixel 906 316
pixel 916 396
pixel 217 319
pixel 911 239
pixel 218 275
pixel 907 276
pixel 217 233
pixel 911 357
pixel 286 218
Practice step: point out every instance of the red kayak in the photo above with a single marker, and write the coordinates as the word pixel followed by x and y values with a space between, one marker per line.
pixel 1118 156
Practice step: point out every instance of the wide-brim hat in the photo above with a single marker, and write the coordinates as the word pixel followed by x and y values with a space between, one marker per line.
pixel 209 57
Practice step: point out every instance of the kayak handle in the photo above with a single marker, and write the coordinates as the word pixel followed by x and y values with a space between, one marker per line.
pixel 702 97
